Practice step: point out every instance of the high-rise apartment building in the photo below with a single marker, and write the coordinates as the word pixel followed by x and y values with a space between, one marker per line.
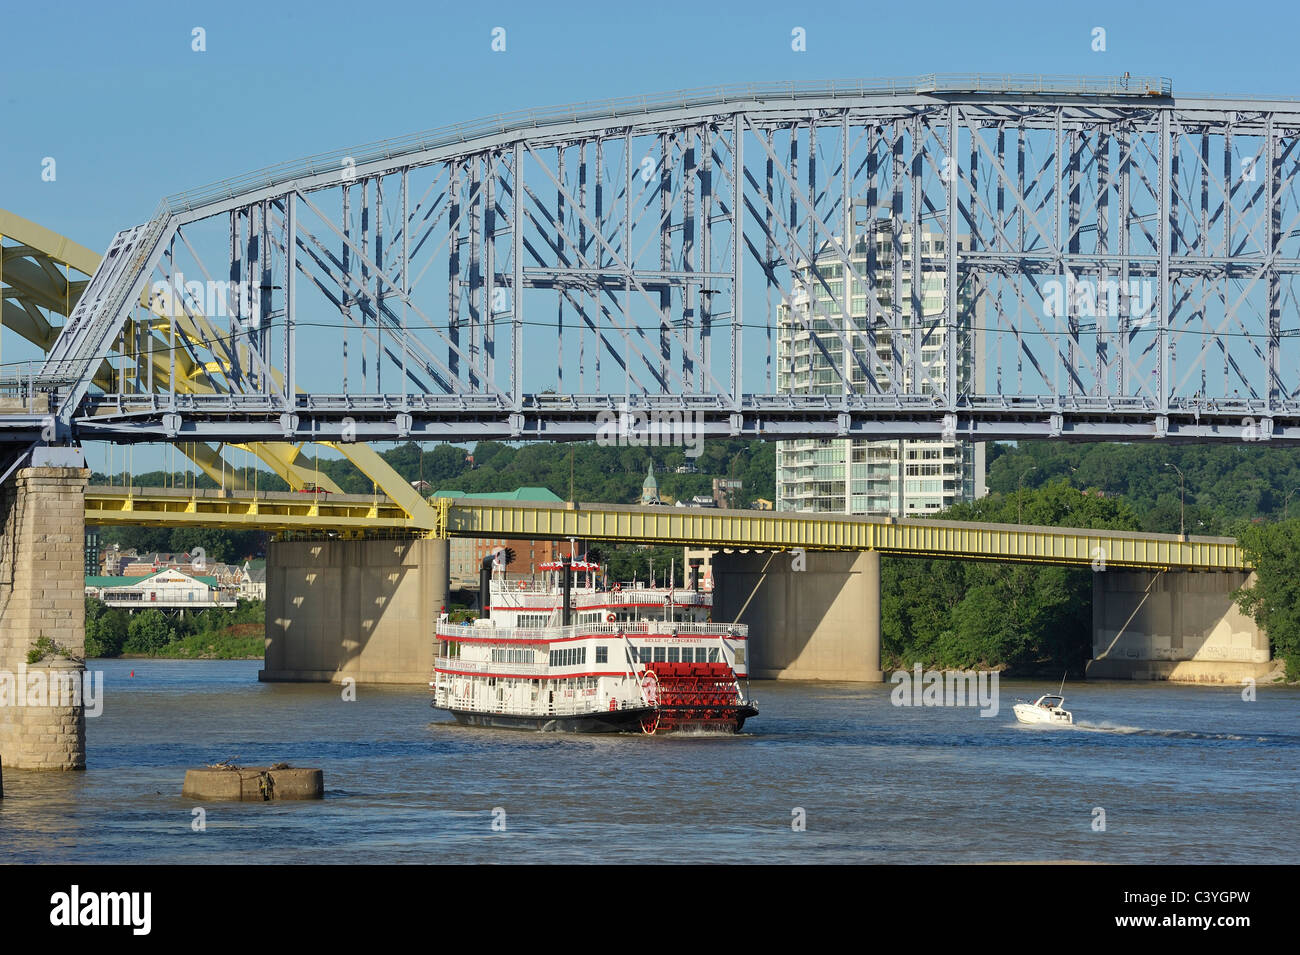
pixel 902 478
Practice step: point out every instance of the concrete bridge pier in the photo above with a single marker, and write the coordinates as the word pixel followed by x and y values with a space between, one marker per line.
pixel 812 615
pixel 1184 626
pixel 42 594
pixel 363 609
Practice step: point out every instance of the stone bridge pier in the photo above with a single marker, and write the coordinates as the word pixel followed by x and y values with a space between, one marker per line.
pixel 42 594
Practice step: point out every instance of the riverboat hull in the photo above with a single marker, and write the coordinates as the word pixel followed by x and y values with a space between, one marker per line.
pixel 640 720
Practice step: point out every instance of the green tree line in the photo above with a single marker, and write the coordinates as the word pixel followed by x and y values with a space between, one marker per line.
pixel 1026 617
pixel 218 632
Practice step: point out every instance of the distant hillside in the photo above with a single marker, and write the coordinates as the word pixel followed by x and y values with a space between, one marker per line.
pixel 1226 484
pixel 611 475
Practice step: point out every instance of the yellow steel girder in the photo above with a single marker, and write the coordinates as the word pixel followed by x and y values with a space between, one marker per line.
pixel 718 529
pixel 35 284
pixel 351 514
pixel 786 530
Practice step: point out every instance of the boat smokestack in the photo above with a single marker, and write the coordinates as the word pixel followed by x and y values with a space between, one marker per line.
pixel 485 587
pixel 566 577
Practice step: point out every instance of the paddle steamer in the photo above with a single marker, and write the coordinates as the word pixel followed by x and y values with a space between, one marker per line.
pixel 562 652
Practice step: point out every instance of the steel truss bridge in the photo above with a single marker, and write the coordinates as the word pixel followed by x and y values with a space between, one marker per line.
pixel 356 515
pixel 944 256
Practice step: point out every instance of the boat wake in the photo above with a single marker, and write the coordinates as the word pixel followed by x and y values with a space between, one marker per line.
pixel 706 731
pixel 1122 730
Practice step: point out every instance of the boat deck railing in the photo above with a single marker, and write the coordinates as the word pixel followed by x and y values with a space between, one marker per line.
pixel 582 702
pixel 628 628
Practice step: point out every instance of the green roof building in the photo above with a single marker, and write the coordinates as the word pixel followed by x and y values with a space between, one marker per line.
pixel 540 494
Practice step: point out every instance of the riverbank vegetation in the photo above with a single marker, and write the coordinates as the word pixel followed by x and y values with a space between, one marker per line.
pixel 216 634
pixel 1274 598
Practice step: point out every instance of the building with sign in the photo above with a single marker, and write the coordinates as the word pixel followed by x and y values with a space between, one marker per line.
pixel 165 590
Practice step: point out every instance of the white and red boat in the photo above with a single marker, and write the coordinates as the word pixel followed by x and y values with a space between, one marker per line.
pixel 561 652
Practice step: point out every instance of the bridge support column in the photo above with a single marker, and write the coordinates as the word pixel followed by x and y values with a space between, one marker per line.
pixel 811 615
pixel 363 609
pixel 42 594
pixel 1173 626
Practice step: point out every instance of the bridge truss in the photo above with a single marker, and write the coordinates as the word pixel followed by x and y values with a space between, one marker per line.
pixel 967 257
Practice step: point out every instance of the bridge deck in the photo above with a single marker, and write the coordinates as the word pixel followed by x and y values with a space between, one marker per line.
pixel 359 515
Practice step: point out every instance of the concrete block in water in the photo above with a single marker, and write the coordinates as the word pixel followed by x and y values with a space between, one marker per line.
pixel 253 784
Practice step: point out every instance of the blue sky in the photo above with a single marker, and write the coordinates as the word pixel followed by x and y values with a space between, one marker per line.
pixel 130 113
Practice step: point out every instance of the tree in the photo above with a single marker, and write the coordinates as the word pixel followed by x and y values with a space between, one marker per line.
pixel 105 629
pixel 148 632
pixel 1273 600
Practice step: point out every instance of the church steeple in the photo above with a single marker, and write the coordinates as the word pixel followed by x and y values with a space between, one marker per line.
pixel 650 489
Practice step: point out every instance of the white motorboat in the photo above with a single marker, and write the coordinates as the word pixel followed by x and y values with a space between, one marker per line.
pixel 1046 709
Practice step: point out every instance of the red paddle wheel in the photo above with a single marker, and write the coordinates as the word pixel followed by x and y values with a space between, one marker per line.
pixel 700 696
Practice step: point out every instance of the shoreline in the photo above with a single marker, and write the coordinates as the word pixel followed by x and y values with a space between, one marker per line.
pixel 153 656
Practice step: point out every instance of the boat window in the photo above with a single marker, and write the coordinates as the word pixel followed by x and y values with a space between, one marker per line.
pixel 602 654
pixel 659 654
pixel 645 655
pixel 672 654
pixel 740 654
pixel 713 654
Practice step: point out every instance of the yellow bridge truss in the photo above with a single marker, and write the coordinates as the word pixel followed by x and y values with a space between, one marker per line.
pixel 37 280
